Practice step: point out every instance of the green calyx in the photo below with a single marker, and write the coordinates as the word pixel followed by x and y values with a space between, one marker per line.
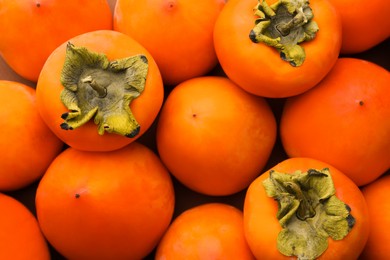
pixel 308 211
pixel 284 25
pixel 101 89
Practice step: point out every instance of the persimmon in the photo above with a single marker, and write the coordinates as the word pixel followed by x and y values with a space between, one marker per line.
pixel 376 195
pixel 361 34
pixel 305 208
pixel 214 137
pixel 206 231
pixel 282 56
pixel 105 205
pixel 100 91
pixel 343 120
pixel 20 236
pixel 31 30
pixel 27 145
pixel 178 33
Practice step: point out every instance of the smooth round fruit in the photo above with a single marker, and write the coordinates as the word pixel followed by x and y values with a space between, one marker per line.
pixel 114 46
pixel 343 121
pixel 20 235
pixel 31 30
pixel 359 34
pixel 262 227
pixel 207 231
pixel 178 34
pixel 105 205
pixel 27 146
pixel 376 195
pixel 259 68
pixel 213 136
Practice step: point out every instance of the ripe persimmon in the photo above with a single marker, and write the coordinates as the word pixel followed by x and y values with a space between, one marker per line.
pixel 361 34
pixel 305 208
pixel 178 34
pixel 31 30
pixel 377 195
pixel 20 236
pixel 343 120
pixel 27 145
pixel 213 136
pixel 105 205
pixel 97 75
pixel 277 55
pixel 206 231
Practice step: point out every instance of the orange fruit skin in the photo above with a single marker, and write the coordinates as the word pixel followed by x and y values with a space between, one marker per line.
pixel 178 33
pixel 343 121
pixel 376 195
pixel 261 225
pixel 207 231
pixel 33 29
pixel 360 34
pixel 20 235
pixel 115 45
pixel 214 137
pixel 258 68
pixel 27 146
pixel 105 205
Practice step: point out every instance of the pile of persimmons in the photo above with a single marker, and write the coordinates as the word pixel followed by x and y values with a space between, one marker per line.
pixel 178 129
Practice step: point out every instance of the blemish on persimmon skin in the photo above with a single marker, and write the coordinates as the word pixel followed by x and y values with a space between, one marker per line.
pixel 170 5
pixel 38 4
pixel 361 103
pixel 77 195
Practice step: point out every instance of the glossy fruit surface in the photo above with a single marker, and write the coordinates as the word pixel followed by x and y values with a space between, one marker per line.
pixel 213 136
pixel 376 195
pixel 20 235
pixel 27 146
pixel 208 231
pixel 343 121
pixel 178 33
pixel 105 205
pixel 360 34
pixel 49 23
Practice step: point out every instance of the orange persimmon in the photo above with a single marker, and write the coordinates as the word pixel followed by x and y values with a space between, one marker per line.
pixel 364 24
pixel 97 75
pixel 206 231
pixel 343 120
pixel 306 208
pixel 213 136
pixel 20 236
pixel 27 146
pixel 246 29
pixel 105 205
pixel 31 30
pixel 178 33
pixel 377 195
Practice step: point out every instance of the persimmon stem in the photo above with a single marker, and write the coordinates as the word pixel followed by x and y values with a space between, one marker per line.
pixel 284 25
pixel 101 90
pixel 305 209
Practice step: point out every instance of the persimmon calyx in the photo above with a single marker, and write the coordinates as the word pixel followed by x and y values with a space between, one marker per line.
pixel 308 211
pixel 97 88
pixel 284 25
